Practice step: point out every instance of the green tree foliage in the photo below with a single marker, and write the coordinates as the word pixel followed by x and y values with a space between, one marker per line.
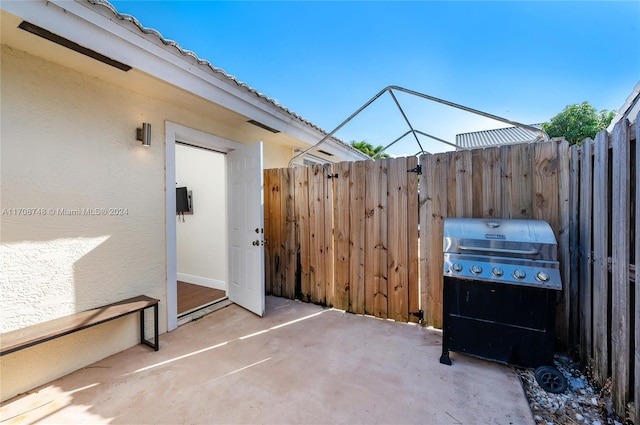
pixel 368 149
pixel 578 122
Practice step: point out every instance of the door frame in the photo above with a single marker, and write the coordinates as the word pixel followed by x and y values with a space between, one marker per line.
pixel 196 138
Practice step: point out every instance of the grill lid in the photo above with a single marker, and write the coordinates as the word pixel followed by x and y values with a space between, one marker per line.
pixel 522 252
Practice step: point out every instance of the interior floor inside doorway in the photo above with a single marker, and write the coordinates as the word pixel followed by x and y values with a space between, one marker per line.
pixel 191 296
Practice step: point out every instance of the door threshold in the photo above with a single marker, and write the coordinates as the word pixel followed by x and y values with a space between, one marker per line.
pixel 203 310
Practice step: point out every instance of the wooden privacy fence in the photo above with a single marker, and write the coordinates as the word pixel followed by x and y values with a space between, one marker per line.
pixel 604 290
pixel 346 235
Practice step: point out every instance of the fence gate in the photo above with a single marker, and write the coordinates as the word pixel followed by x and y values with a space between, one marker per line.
pixel 345 235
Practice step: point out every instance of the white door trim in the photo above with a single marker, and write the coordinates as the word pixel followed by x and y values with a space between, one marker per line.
pixel 194 137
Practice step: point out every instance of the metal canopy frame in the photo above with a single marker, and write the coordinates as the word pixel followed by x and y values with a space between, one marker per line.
pixel 412 130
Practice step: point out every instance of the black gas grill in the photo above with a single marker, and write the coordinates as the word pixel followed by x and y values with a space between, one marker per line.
pixel 501 279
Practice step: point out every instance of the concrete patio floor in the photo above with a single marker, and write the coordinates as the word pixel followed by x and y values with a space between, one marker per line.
pixel 299 364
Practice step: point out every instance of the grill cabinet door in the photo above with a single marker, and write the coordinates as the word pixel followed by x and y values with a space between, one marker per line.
pixel 506 323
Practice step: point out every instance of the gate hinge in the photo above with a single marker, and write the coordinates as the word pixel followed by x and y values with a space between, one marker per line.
pixel 419 314
pixel 417 170
pixel 332 176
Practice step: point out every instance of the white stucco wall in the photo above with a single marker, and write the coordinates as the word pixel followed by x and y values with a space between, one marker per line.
pixel 201 239
pixel 276 156
pixel 68 143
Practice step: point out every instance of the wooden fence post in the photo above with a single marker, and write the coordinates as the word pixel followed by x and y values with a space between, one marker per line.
pixel 460 196
pixel 397 254
pixel 564 242
pixel 434 212
pixel 574 246
pixel 329 278
pixel 302 219
pixel 520 171
pixel 600 257
pixel 620 286
pixel 586 191
pixel 376 238
pixel 425 225
pixel 341 233
pixel 274 232
pixel 545 185
pixel 371 215
pixel 291 241
pixel 477 182
pixel 491 175
pixel 266 175
pixel 412 235
pixel 280 194
pixel 317 182
pixel 357 216
pixel 505 169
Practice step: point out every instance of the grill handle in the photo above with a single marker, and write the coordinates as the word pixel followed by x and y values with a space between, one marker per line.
pixel 502 250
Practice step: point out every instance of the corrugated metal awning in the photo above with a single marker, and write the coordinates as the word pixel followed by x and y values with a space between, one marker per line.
pixel 497 137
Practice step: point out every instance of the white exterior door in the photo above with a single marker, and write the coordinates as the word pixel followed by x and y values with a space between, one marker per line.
pixel 246 227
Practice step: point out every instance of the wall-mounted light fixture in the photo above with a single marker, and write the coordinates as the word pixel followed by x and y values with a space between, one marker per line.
pixel 144 134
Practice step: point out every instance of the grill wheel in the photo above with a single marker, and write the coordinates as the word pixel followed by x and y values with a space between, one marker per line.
pixel 551 379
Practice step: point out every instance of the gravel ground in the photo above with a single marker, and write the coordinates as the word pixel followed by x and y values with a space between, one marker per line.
pixel 581 403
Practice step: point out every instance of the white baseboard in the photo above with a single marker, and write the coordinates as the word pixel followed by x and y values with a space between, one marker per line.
pixel 202 281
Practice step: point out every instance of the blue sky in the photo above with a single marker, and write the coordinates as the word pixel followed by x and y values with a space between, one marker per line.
pixel 524 61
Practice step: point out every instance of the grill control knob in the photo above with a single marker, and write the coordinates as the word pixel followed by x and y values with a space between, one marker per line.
pixel 476 269
pixel 497 271
pixel 542 277
pixel 519 274
pixel 456 267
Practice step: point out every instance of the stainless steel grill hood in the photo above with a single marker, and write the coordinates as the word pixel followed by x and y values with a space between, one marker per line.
pixel 522 252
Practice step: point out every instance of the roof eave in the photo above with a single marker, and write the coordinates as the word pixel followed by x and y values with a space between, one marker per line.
pixel 629 109
pixel 123 38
